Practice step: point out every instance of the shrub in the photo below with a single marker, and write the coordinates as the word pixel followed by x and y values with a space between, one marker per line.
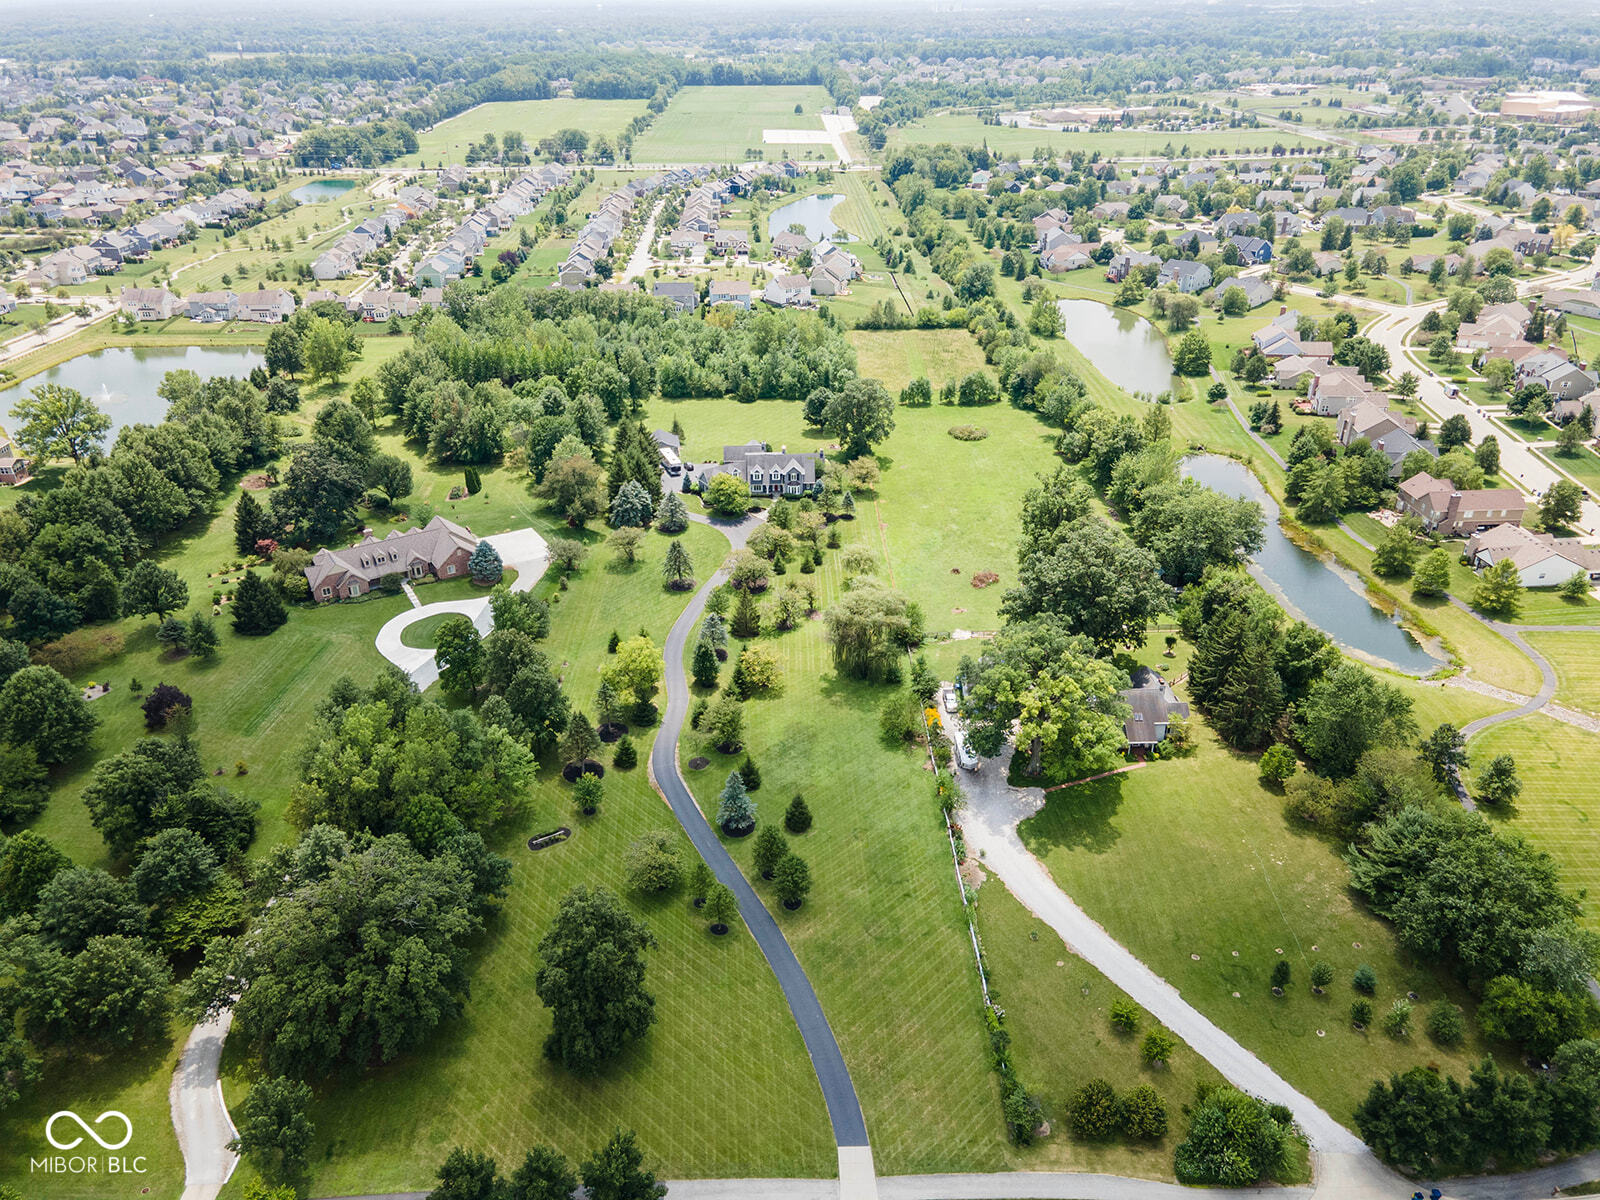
pixel 968 433
pixel 1397 1021
pixel 1361 1013
pixel 797 818
pixel 1143 1114
pixel 626 757
pixel 1321 975
pixel 165 702
pixel 1445 1025
pixel 1124 1016
pixel 1278 764
pixel 769 850
pixel 1023 1114
pixel 1365 980
pixel 587 791
pixel 1157 1047
pixel 651 862
pixel 1093 1110
pixel 750 773
pixel 1280 974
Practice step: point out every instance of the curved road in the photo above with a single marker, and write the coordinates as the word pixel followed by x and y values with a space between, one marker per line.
pixel 856 1179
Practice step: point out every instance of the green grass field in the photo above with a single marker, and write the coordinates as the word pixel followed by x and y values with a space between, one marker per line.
pixel 967 129
pixel 1577 666
pixel 1129 850
pixel 447 142
pixel 725 124
pixel 1558 809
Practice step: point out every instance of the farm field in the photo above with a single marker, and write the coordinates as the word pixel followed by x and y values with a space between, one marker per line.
pixel 447 142
pixel 966 129
pixel 724 125
pixel 1201 835
pixel 1558 810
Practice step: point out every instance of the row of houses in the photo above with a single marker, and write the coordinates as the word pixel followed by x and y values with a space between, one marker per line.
pixel 700 222
pixel 111 249
pixel 450 260
pixel 267 306
pixel 379 304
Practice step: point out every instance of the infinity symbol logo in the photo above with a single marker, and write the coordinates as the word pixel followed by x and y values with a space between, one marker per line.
pixel 49 1127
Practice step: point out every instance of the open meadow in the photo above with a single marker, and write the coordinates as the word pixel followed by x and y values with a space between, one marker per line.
pixel 725 124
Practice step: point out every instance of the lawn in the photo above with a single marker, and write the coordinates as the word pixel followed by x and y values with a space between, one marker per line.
pixel 724 1041
pixel 1558 809
pixel 1192 864
pixel 1577 666
pixel 1057 1012
pixel 424 635
pixel 725 125
pixel 967 129
pixel 447 142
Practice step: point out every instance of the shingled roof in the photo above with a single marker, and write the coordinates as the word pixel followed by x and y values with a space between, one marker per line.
pixel 370 559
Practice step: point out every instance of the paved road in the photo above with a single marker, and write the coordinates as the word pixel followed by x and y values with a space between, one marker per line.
pixel 199 1114
pixel 640 261
pixel 61 327
pixel 856 1180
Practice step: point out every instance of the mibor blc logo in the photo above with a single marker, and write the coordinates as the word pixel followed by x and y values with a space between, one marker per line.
pixel 66 1130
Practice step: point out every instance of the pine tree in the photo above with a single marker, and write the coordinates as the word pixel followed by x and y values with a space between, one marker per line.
pixel 770 847
pixel 751 774
pixel 626 757
pixel 485 566
pixel 580 741
pixel 250 524
pixel 797 819
pixel 705 665
pixel 735 814
pixel 173 635
pixel 674 514
pixel 677 568
pixel 472 480
pixel 791 880
pixel 202 637
pixel 700 882
pixel 256 608
pixel 631 506
pixel 746 617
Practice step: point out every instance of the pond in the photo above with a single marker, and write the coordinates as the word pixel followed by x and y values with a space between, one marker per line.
pixel 122 381
pixel 321 189
pixel 1321 592
pixel 815 213
pixel 1126 348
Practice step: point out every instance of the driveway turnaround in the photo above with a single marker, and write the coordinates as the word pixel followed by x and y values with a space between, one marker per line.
pixel 856 1177
pixel 522 549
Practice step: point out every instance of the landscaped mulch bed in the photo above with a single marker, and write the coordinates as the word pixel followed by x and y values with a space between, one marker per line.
pixel 699 763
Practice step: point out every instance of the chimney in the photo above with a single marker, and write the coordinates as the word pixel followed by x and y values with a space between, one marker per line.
pixel 1283 308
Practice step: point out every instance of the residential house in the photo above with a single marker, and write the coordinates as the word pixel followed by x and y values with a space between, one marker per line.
pixel 769 472
pixel 1252 250
pixel 147 304
pixel 1124 263
pixel 1154 706
pixel 14 467
pixel 1444 508
pixel 1541 560
pixel 729 291
pixel 1066 258
pixel 788 291
pixel 790 245
pixel 1335 389
pixel 1188 277
pixel 269 306
pixel 441 549
pixel 1257 291
pixel 211 308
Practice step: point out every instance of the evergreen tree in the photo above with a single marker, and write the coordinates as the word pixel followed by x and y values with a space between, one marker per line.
pixel 1233 676
pixel 791 880
pixel 202 636
pixel 631 506
pixel 472 481
pixel 626 756
pixel 251 524
pixel 721 908
pixel 173 635
pixel 580 741
pixel 770 847
pixel 674 514
pixel 705 665
pixel 746 617
pixel 750 773
pixel 256 608
pixel 700 882
pixel 677 567
pixel 485 566
pixel 797 819
pixel 735 814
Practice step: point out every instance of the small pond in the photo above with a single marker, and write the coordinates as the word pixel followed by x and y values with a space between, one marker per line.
pixel 815 213
pixel 1323 593
pixel 122 381
pixel 321 189
pixel 1126 348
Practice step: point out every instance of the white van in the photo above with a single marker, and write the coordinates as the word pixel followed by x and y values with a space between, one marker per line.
pixel 965 757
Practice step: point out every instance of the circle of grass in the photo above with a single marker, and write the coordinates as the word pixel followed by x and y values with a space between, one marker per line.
pixel 424 634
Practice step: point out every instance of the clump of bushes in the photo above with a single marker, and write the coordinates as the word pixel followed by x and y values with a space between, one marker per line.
pixel 968 433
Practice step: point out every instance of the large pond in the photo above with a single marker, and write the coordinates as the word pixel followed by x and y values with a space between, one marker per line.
pixel 1321 592
pixel 814 212
pixel 122 381
pixel 1126 348
pixel 321 189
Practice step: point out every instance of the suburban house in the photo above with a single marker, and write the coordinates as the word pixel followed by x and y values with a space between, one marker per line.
pixel 1335 389
pixel 1391 434
pixel 1445 508
pixel 269 306
pixel 729 291
pixel 1257 291
pixel 1252 250
pixel 768 472
pixel 683 294
pixel 1067 257
pixel 440 549
pixel 787 291
pixel 1541 560
pixel 1187 276
pixel 1153 706
pixel 14 467
pixel 211 308
pixel 147 304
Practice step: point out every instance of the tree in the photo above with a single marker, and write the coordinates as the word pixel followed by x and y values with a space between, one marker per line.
pixel 1562 504
pixel 721 907
pixel 1193 354
pixel 251 524
pixel 735 814
pixel 631 505
pixel 485 565
pixel 460 657
pixel 1414 1121
pixel 384 931
pixel 1498 590
pixel 727 496
pixel 677 568
pixel 797 817
pixel 78 903
pixel 791 880
pixel 1281 973
pixel 770 847
pixel 543 1175
pixel 580 741
pixel 1348 710
pixel 1093 1110
pixel 1487 455
pixel 635 673
pixel 256 608
pixel 723 723
pixel 1157 1047
pixel 1397 551
pixel 616 1171
pixel 575 486
pixel 1432 576
pixel 1096 579
pixel 651 862
pixel 24 783
pixel 151 590
pixel 175 864
pixel 284 355
pixel 705 665
pixel 746 617
pixel 1445 752
pixel 28 861
pixel 117 992
pixel 326 349
pixel 1571 437
pixel 1498 783
pixel 165 704
pixel 1445 1024
pixel 1234 1140
pixel 674 514
pixel 587 792
pixel 591 976
pixel 274 1130
pixel 40 709
pixel 201 637
pixel 59 422
pixel 1142 1113
pixel 860 416
pixel 172 635
pixel 1277 764
pixel 468 1175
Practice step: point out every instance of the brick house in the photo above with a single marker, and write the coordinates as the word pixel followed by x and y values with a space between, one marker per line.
pixel 1442 506
pixel 440 549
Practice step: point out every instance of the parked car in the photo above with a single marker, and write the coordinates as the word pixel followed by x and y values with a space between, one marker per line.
pixel 950 702
pixel 968 760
